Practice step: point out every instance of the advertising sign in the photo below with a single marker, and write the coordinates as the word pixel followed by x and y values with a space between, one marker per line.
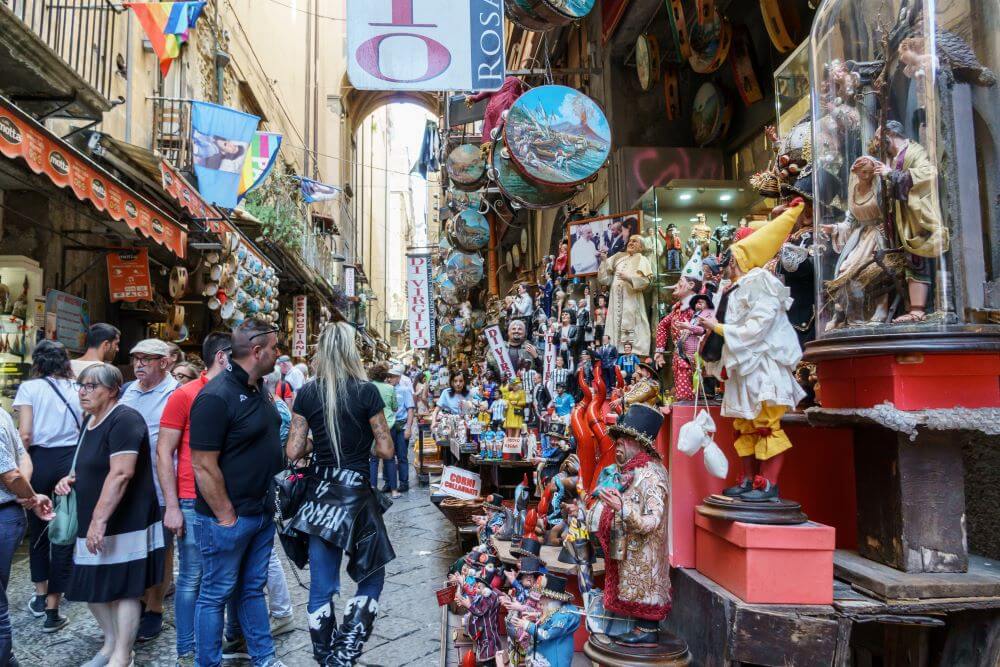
pixel 498 346
pixel 427 45
pixel 67 318
pixel 128 275
pixel 299 326
pixel 512 445
pixel 418 301
pixel 349 281
pixel 460 483
pixel 551 349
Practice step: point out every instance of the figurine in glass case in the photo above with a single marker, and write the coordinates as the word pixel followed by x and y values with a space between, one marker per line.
pixel 701 235
pixel 760 351
pixel 912 187
pixel 722 235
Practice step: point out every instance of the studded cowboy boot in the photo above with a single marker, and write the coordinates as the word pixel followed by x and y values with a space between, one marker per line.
pixel 359 619
pixel 322 623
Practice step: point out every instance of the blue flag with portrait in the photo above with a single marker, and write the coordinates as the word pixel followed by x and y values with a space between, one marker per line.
pixel 221 138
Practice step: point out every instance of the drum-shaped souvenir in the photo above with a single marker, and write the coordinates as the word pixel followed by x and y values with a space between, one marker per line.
pixel 459 199
pixel 467 167
pixel 465 269
pixel 561 12
pixel 711 114
pixel 557 136
pixel 647 61
pixel 710 40
pixel 678 28
pixel 448 335
pixel 450 292
pixel 519 190
pixel 520 13
pixel 671 92
pixel 471 230
pixel 742 66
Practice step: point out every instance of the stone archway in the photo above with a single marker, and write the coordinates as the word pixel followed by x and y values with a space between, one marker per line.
pixel 360 103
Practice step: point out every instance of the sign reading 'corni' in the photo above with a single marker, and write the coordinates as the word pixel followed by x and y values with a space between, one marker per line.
pixel 426 45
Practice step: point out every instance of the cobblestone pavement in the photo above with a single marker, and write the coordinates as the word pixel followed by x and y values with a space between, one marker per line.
pixel 407 631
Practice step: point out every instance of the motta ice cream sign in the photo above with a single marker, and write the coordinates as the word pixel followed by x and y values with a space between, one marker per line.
pixel 425 45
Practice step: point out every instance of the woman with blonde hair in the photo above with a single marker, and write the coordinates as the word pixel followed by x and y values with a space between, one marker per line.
pixel 341 512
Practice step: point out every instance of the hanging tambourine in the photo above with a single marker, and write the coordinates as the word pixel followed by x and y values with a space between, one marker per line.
pixel 470 230
pixel 678 29
pixel 557 136
pixel 710 43
pixel 524 241
pixel 178 282
pixel 647 61
pixel 466 167
pixel 520 191
pixel 710 114
pixel 672 92
pixel 465 269
pixel 516 256
pixel 782 22
pixel 510 262
pixel 542 15
pixel 520 13
pixel 742 65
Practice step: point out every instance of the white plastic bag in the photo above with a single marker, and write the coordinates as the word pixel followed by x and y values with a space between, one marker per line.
pixel 696 434
pixel 715 461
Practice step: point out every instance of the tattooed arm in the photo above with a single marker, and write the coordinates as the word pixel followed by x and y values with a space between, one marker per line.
pixel 297 447
pixel 383 441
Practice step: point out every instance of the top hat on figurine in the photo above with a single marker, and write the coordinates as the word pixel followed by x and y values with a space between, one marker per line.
pixel 701 297
pixel 529 565
pixel 529 547
pixel 641 422
pixel 494 502
pixel 647 365
pixel 555 588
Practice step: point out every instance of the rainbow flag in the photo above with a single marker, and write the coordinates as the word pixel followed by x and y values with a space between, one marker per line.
pixel 166 25
pixel 260 159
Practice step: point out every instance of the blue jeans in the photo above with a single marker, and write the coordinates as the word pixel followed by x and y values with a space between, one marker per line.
pixel 402 453
pixel 324 570
pixel 12 527
pixel 398 465
pixel 234 562
pixel 188 579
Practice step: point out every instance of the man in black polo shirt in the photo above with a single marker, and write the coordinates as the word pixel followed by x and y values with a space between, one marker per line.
pixel 235 451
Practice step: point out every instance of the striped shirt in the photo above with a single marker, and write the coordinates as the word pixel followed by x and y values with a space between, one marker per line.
pixel 528 384
pixel 560 376
pixel 628 362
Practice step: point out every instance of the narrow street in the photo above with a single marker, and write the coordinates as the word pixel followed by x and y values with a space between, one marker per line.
pixel 407 631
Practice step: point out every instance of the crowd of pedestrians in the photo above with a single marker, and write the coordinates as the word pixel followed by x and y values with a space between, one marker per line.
pixel 112 481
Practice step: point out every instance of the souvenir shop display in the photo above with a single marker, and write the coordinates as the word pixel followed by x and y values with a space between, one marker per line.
pixel 678 28
pixel 552 632
pixel 466 167
pixel 519 190
pixel 627 275
pixel 647 61
pixel 741 63
pixel 759 365
pixel 557 136
pixel 711 114
pixel 465 269
pixel 469 230
pixel 710 38
pixel 542 15
pixel 676 325
pixel 499 102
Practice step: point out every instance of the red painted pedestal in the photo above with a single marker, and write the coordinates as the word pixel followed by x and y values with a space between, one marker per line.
pixel 818 473
pixel 767 564
pixel 910 381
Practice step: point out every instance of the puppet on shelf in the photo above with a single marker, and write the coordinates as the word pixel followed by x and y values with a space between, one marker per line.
pixel 492 523
pixel 645 388
pixel 524 601
pixel 516 400
pixel 675 324
pixel 760 351
pixel 552 634
pixel 628 275
pixel 481 621
pixel 912 187
pixel 631 526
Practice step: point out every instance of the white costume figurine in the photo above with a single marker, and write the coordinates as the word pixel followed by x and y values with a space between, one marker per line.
pixel 759 354
pixel 628 274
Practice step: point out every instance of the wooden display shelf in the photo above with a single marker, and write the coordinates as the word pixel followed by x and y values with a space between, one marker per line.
pixel 885 583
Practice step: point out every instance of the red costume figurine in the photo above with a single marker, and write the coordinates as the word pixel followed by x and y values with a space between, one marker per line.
pixel 499 101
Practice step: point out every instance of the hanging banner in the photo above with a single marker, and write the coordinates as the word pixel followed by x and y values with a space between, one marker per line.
pixel 299 326
pixel 498 346
pixel 256 168
pixel 128 275
pixel 429 45
pixel 221 138
pixel 349 282
pixel 23 137
pixel 314 191
pixel 460 483
pixel 166 25
pixel 551 349
pixel 418 300
pixel 67 319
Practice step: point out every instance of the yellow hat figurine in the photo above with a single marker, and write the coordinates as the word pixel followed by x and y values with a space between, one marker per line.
pixel 758 248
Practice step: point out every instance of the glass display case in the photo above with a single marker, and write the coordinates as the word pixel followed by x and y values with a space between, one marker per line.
pixel 20 288
pixel 905 134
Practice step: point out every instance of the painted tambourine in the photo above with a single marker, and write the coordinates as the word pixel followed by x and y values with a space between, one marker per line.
pixel 710 115
pixel 742 66
pixel 561 12
pixel 678 28
pixel 557 136
pixel 782 22
pixel 710 41
pixel 672 92
pixel 470 230
pixel 516 255
pixel 520 191
pixel 524 241
pixel 520 13
pixel 647 61
pixel 178 282
pixel 466 167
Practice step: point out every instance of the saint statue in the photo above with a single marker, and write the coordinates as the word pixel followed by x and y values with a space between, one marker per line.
pixel 628 275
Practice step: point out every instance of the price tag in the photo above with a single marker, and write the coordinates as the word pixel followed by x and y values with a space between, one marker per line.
pixel 512 445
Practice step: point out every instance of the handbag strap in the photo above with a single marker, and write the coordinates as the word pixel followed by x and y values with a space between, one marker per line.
pixel 79 441
pixel 62 398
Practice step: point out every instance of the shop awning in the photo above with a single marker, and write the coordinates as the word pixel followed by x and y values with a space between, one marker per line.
pixel 23 137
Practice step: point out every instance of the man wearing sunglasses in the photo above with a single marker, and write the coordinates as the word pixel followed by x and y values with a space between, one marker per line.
pixel 148 394
pixel 235 452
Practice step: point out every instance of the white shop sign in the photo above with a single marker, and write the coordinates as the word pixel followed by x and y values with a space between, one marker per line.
pixel 460 483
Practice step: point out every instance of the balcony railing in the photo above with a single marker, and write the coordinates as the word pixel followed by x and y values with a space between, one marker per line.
pixel 82 34
pixel 172 131
pixel 318 257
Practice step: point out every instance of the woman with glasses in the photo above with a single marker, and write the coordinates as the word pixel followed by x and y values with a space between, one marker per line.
pixel 344 411
pixel 49 424
pixel 185 372
pixel 119 550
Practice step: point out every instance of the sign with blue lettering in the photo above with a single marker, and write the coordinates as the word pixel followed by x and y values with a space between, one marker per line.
pixel 427 45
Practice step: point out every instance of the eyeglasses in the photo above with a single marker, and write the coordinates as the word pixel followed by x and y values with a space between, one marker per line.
pixel 88 387
pixel 270 331
pixel 182 376
pixel 144 361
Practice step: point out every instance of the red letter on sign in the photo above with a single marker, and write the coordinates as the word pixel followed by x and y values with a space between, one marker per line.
pixel 368 54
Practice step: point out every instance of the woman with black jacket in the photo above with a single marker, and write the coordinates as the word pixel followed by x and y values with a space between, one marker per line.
pixel 341 512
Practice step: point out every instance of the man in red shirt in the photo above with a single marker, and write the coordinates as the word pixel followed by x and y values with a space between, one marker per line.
pixel 179 488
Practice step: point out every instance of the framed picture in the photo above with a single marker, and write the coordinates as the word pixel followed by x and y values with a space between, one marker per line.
pixel 608 234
